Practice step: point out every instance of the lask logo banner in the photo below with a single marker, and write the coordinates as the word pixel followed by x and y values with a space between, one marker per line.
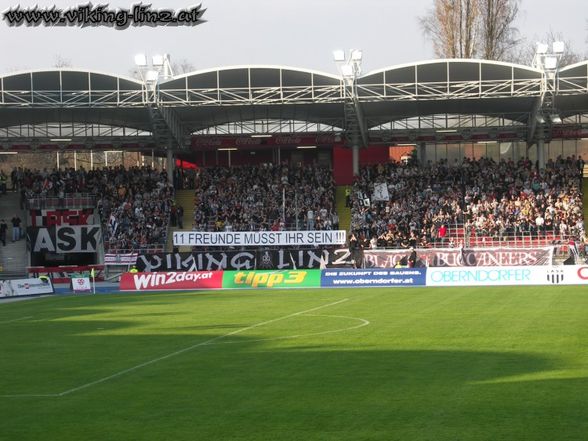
pixel 555 276
pixel 65 239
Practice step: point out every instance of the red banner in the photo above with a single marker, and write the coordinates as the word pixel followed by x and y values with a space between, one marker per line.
pixel 171 281
pixel 63 274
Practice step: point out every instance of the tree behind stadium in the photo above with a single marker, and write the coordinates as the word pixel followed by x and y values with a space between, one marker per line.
pixel 472 28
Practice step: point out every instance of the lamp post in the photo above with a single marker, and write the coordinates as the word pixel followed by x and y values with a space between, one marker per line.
pixel 151 73
pixel 349 67
pixel 547 59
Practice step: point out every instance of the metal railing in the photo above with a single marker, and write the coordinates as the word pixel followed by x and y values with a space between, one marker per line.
pixel 145 249
pixel 71 200
pixel 470 237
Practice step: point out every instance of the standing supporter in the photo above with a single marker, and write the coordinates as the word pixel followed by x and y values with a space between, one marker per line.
pixel 15 228
pixel 3 230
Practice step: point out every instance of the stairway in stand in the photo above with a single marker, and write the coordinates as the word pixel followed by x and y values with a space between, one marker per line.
pixel 585 196
pixel 343 211
pixel 184 198
pixel 14 257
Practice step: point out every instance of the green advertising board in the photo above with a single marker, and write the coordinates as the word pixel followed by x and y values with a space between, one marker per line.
pixel 272 279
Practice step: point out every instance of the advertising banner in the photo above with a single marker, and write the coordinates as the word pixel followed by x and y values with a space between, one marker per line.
pixel 486 276
pixel 259 238
pixel 359 278
pixel 513 275
pixel 456 257
pixel 64 274
pixel 80 284
pixel 245 260
pixel 566 275
pixel 272 279
pixel 65 239
pixel 27 287
pixel 171 281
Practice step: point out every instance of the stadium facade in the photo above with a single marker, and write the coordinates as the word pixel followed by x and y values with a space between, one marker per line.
pixel 236 115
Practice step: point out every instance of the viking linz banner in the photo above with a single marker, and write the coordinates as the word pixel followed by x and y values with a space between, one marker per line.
pixel 243 260
pixel 59 217
pixel 65 239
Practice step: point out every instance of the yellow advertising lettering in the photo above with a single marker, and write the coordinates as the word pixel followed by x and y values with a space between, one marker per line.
pixel 269 279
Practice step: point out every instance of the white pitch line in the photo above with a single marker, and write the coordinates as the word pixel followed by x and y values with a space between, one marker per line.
pixel 15 320
pixel 363 322
pixel 173 354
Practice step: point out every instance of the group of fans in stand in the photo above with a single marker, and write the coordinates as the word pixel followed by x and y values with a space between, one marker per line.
pixel 265 197
pixel 492 199
pixel 134 204
pixel 415 206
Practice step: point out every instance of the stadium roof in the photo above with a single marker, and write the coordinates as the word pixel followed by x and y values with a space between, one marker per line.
pixel 241 94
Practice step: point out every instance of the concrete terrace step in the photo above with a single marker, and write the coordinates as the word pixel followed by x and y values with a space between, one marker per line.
pixel 343 211
pixel 185 198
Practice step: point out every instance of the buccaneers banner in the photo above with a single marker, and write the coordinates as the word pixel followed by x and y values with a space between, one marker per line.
pixel 442 257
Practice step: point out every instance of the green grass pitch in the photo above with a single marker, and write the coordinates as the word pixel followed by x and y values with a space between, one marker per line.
pixel 368 364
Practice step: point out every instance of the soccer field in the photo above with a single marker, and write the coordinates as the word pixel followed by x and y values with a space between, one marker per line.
pixel 372 364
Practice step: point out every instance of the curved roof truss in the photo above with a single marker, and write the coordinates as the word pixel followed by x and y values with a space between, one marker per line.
pixel 206 99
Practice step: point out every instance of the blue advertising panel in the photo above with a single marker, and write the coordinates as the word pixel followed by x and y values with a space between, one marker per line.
pixel 358 278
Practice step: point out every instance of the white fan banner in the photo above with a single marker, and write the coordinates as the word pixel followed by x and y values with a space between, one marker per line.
pixel 259 238
pixel 381 192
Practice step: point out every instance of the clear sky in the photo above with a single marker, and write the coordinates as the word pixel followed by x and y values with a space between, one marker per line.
pixel 300 33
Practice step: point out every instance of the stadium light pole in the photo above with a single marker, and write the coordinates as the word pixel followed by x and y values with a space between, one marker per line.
pixel 350 69
pixel 547 59
pixel 160 68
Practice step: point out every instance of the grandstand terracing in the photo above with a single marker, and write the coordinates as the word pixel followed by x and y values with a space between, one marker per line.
pixel 477 203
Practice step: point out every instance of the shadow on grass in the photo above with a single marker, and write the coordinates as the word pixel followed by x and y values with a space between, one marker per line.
pixel 258 391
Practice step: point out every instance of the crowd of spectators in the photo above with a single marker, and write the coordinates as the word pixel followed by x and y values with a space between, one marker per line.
pixel 265 197
pixel 134 204
pixel 498 200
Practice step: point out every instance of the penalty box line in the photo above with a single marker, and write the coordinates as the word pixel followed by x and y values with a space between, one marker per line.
pixel 173 354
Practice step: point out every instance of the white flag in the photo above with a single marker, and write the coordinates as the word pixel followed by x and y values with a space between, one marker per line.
pixel 381 192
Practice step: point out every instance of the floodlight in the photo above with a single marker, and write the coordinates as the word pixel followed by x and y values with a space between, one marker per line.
pixel 550 62
pixel 151 75
pixel 558 47
pixel 356 55
pixel 339 55
pixel 555 118
pixel 542 48
pixel 347 70
pixel 157 60
pixel 141 60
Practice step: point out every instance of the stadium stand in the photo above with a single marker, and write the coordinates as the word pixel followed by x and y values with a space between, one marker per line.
pixel 475 203
pixel 134 204
pixel 254 198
